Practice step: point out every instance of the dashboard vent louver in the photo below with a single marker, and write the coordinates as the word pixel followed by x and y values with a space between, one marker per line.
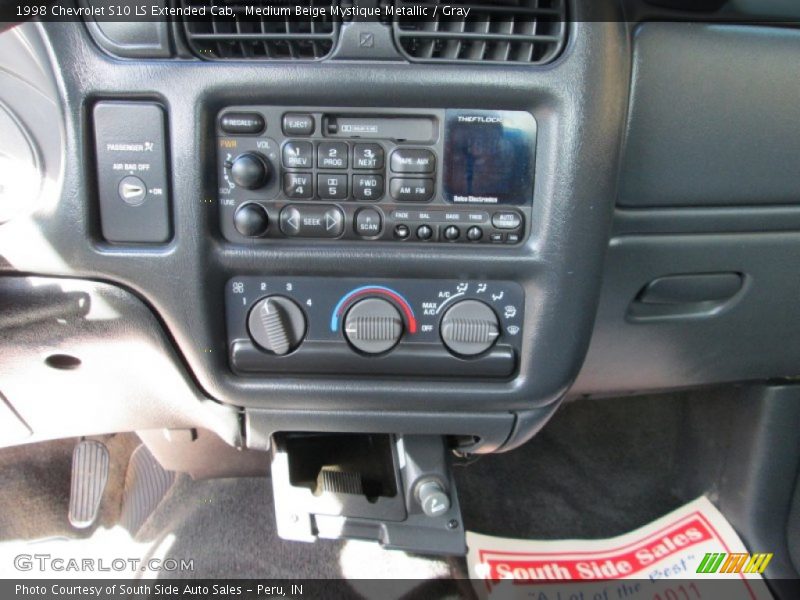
pixel 249 37
pixel 529 32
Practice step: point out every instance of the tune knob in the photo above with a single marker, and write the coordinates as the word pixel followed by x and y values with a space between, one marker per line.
pixel 251 220
pixel 373 326
pixel 250 170
pixel 277 324
pixel 469 328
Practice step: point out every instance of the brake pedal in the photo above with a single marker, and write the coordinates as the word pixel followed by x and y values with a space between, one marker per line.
pixel 89 477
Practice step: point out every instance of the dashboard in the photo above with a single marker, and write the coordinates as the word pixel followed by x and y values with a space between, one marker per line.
pixel 372 227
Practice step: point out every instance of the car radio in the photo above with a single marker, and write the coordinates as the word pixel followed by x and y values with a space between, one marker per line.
pixel 459 176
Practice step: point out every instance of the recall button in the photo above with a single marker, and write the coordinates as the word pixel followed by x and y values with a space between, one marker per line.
pixel 313 221
pixel 506 220
pixel 242 123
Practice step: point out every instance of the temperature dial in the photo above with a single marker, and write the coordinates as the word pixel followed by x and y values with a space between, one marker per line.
pixel 277 324
pixel 250 170
pixel 373 326
pixel 469 328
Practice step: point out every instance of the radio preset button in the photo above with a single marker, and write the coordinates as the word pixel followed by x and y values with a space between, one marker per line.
pixel 411 190
pixel 332 186
pixel 506 220
pixel 332 155
pixel 298 185
pixel 315 221
pixel 451 233
pixel 424 232
pixel 368 222
pixel 413 160
pixel 368 156
pixel 298 155
pixel 298 124
pixel 367 187
pixel 242 123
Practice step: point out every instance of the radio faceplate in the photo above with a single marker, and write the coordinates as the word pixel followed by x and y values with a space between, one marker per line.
pixel 411 175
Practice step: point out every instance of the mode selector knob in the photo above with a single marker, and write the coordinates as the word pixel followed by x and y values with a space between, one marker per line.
pixel 373 326
pixel 469 328
pixel 250 170
pixel 277 324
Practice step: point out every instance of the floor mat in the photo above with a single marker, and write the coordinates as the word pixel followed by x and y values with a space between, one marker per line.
pixel 599 468
pixel 693 548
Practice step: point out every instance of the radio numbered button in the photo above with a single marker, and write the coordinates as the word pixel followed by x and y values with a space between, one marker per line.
pixel 298 185
pixel 332 155
pixel 411 190
pixel 332 186
pixel 368 222
pixel 413 160
pixel 298 155
pixel 368 156
pixel 367 187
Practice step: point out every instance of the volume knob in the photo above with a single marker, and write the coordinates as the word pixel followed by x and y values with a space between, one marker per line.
pixel 277 324
pixel 373 326
pixel 250 170
pixel 469 328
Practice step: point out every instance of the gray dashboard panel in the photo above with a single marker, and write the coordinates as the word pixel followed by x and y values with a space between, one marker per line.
pixel 756 336
pixel 578 102
pixel 713 116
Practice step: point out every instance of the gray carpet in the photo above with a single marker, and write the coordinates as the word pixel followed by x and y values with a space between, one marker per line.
pixel 599 468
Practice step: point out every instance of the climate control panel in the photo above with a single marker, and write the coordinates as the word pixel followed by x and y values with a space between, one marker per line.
pixel 396 327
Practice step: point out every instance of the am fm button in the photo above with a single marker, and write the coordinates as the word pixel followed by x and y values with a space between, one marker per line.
pixel 411 190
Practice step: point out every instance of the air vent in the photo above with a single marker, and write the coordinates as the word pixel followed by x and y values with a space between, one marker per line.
pixel 529 32
pixel 257 31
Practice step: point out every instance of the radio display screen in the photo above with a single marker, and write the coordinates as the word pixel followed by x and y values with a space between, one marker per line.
pixel 489 157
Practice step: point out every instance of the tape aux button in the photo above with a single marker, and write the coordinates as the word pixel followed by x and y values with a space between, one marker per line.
pixel 413 160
